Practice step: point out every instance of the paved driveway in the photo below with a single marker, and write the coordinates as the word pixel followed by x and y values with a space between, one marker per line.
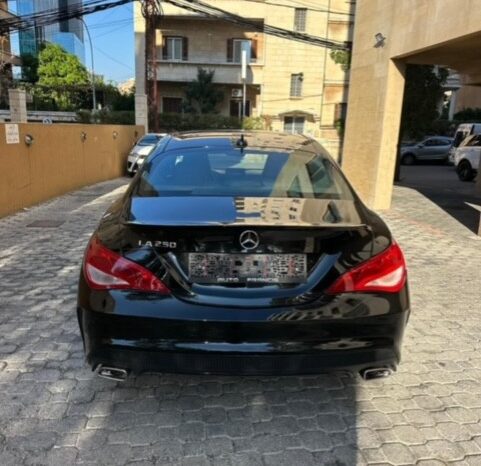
pixel 54 411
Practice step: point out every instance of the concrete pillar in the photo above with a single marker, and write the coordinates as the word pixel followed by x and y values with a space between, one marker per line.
pixel 452 103
pixel 372 130
pixel 141 111
pixel 18 105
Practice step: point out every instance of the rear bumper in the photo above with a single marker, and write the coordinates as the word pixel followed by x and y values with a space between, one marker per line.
pixel 272 345
pixel 138 361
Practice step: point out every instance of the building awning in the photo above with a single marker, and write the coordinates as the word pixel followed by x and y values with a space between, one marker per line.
pixel 310 116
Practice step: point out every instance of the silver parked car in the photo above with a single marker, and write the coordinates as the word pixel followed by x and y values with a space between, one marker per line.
pixel 141 150
pixel 430 149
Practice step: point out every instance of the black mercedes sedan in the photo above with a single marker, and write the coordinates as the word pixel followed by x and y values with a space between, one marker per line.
pixel 241 253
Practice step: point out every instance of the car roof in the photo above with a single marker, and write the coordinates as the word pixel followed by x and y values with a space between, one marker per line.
pixel 153 134
pixel 439 137
pixel 265 140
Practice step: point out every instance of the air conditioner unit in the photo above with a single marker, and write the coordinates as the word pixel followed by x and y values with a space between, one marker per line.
pixel 237 93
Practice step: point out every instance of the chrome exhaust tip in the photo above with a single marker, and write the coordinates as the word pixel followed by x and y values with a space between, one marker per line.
pixel 111 373
pixel 376 373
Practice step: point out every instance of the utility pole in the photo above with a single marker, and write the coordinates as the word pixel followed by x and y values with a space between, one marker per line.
pixel 151 11
pixel 94 97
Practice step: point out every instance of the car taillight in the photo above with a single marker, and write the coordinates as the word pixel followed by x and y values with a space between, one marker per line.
pixel 107 270
pixel 385 273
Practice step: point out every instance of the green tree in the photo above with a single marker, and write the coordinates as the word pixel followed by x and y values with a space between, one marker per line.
pixel 123 102
pixel 62 79
pixel 29 68
pixel 422 94
pixel 201 94
pixel 57 67
pixel 342 58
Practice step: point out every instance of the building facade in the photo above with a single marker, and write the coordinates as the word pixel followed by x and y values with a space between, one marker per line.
pixel 69 34
pixel 293 86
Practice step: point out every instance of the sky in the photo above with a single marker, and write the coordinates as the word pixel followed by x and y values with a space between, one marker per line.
pixel 112 34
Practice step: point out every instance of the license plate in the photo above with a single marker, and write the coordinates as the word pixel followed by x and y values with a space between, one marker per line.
pixel 247 268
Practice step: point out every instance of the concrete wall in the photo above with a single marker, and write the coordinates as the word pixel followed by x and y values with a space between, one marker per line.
pixel 59 160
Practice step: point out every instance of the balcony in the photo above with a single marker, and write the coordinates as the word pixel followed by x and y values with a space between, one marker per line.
pixel 186 44
pixel 225 73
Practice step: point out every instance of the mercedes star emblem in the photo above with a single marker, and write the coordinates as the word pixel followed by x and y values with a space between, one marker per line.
pixel 249 239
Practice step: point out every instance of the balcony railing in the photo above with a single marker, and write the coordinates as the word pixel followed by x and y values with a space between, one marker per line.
pixel 225 73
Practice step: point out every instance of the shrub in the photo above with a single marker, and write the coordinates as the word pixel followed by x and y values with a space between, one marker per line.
pixel 253 123
pixel 170 122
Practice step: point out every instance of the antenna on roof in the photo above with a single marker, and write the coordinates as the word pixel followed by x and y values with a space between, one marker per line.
pixel 241 142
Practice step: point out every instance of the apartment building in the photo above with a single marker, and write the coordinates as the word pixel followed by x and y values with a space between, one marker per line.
pixel 295 87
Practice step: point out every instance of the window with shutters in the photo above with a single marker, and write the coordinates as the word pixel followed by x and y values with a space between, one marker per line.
pixel 300 16
pixel 175 48
pixel 235 48
pixel 294 125
pixel 340 111
pixel 236 108
pixel 296 85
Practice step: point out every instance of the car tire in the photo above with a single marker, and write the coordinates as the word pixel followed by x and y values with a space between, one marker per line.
pixel 465 171
pixel 408 159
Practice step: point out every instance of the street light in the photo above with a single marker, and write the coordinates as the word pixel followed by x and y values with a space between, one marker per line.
pixel 94 99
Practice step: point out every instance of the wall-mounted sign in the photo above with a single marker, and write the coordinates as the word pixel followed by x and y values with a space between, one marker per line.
pixel 12 135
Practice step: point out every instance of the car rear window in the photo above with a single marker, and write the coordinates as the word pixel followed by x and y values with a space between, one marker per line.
pixel 246 173
pixel 148 140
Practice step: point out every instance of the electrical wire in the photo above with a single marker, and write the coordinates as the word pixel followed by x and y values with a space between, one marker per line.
pixel 92 6
pixel 113 58
pixel 204 9
pixel 309 5
pixel 55 15
pixel 296 5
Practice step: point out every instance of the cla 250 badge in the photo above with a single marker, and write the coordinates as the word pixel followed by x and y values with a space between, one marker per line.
pixel 158 244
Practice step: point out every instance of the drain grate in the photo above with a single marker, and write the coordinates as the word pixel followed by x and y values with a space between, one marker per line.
pixel 46 224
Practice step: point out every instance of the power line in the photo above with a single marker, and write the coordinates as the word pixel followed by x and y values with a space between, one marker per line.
pixel 204 9
pixel 113 59
pixel 309 5
pixel 297 4
pixel 111 31
pixel 55 15
pixel 92 6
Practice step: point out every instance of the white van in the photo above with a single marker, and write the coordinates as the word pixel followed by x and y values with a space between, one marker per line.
pixel 462 132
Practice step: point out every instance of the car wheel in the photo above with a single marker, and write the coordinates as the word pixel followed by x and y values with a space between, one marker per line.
pixel 465 171
pixel 408 159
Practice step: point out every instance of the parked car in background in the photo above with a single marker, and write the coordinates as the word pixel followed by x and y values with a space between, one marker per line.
pixel 430 149
pixel 141 150
pixel 242 253
pixel 462 132
pixel 467 156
